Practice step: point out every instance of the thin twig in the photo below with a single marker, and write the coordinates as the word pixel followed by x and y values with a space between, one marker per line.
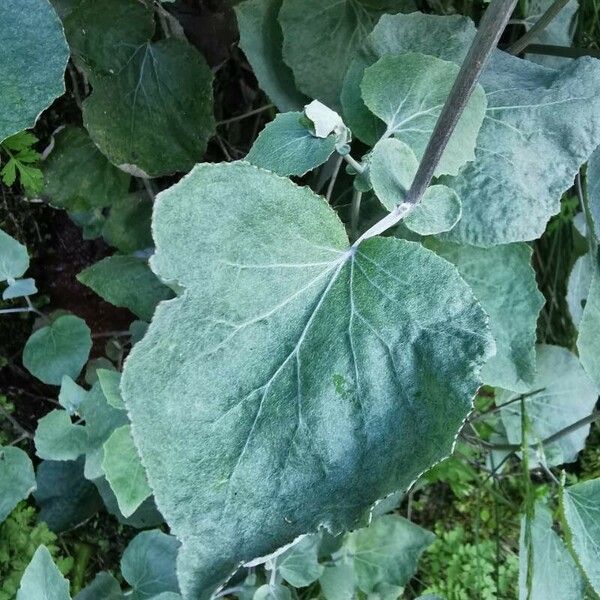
pixel 16 425
pixel 355 213
pixel 334 176
pixel 563 51
pixel 490 29
pixel 539 26
pixel 256 111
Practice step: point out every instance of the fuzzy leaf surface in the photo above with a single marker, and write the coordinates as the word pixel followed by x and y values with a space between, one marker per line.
pixel 42 580
pixel 407 93
pixel 57 438
pixel 14 260
pixel 581 503
pixel 292 361
pixel 34 58
pixel 17 479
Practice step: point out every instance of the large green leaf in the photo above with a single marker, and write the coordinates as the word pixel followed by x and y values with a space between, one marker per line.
pixel 559 395
pixel 261 40
pixel 503 280
pixel 148 564
pixel 78 177
pixel 287 147
pixel 447 38
pixel 17 479
pixel 321 36
pixel 407 93
pixel 42 580
pixel 533 140
pixel 128 282
pixel 14 260
pixel 291 360
pixel 104 35
pixel 58 349
pixel 65 498
pixel 554 573
pixel 581 505
pixel 57 438
pixel 124 471
pixel 34 58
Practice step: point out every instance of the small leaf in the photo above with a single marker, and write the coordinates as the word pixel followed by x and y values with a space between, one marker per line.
pixel 148 564
pixel 17 479
pixel 287 147
pixel 65 498
pixel 42 579
pixel 326 121
pixel 581 504
pixel 103 587
pixel 78 177
pixel 407 93
pixel 14 260
pixel 61 348
pixel 272 591
pixel 566 395
pixel 109 382
pixel 101 419
pixel 126 281
pixel 57 438
pixel 338 582
pixel 127 226
pixel 19 288
pixel 33 63
pixel 299 565
pixel 71 395
pixel 261 40
pixel 578 288
pixel 554 574
pixel 124 471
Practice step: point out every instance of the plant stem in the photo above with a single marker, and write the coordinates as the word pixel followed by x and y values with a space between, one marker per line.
pixel 355 213
pixel 334 176
pixel 490 29
pixel 256 111
pixel 358 167
pixel 538 26
pixel 564 51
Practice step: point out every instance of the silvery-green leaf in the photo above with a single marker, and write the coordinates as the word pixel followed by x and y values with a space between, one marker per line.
pixel 338 582
pixel 447 38
pixel 78 177
pixel 272 592
pixel 154 116
pixel 261 40
pixel 533 140
pixel 438 211
pixel 292 358
pixel 104 35
pixel 299 565
pixel 567 395
pixel 42 580
pixel 287 147
pixel 109 382
pixel 137 330
pixel 124 471
pixel 58 349
pixel 127 226
pixel 57 438
pixel 64 497
pixel 148 564
pixel 101 419
pixel 588 341
pixel 103 587
pixel 17 479
pixel 503 280
pixel 128 282
pixel 35 54
pixel 392 167
pixel 14 260
pixel 580 280
pixel 320 38
pixel 326 121
pixel 559 32
pixel 71 395
pixel 593 188
pixel 555 575
pixel 19 288
pixel 407 92
pixel 581 505
pixel 386 552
